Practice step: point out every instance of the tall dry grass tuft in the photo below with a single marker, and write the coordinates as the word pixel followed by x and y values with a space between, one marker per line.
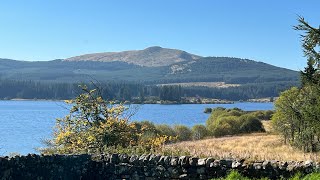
pixel 257 146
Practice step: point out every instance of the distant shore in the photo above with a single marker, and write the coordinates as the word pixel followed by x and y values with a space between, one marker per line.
pixel 22 99
pixel 264 100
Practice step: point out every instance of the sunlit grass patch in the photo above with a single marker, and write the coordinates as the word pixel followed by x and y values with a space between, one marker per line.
pixel 257 146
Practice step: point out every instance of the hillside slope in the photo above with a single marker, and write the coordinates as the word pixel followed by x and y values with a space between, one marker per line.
pixel 150 57
pixel 153 65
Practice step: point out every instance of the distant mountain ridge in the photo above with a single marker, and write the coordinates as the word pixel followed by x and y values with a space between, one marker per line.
pixel 145 72
pixel 153 65
pixel 150 57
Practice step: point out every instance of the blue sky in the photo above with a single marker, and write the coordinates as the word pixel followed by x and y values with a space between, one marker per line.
pixel 258 30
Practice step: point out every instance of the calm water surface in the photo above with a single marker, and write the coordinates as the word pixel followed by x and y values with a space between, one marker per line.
pixel 25 123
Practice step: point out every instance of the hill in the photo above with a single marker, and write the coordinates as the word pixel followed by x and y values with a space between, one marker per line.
pixel 164 66
pixel 148 69
pixel 150 57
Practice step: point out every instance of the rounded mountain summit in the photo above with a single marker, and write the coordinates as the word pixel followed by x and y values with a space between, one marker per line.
pixel 154 56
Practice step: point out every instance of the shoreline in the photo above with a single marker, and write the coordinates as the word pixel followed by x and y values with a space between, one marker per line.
pixel 21 99
pixel 173 103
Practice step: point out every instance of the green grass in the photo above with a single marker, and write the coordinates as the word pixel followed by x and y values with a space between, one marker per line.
pixel 234 175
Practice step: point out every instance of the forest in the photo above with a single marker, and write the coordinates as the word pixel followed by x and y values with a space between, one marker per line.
pixel 137 92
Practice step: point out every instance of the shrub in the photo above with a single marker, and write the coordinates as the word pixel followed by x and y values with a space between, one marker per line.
pixel 96 126
pixel 263 115
pixel 268 114
pixel 297 117
pixel 258 114
pixel 207 110
pixel 152 142
pixel 92 125
pixel 165 129
pixel 216 112
pixel 235 112
pixel 146 127
pixel 150 138
pixel 199 132
pixel 227 125
pixel 249 123
pixel 234 121
pixel 183 132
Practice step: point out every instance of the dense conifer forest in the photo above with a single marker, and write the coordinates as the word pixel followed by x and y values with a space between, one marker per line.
pixel 137 92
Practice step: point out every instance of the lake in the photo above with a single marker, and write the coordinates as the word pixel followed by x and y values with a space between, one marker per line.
pixel 25 123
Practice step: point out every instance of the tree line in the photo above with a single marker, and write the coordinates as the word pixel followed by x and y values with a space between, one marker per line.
pixel 132 91
pixel 297 115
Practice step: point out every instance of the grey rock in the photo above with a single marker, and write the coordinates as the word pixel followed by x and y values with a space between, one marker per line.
pixel 174 172
pixel 209 161
pixel 123 169
pixel 167 160
pixel 184 176
pixel 283 165
pixel 201 162
pixel 152 159
pixel 291 167
pixel 150 178
pixel 134 159
pixel 146 159
pixel 236 165
pixel 185 170
pixel 266 165
pixel 174 161
pixel 161 160
pixel 257 166
pixel 114 158
pixel 193 161
pixel 125 177
pixel 141 158
pixel 184 161
pixel 147 171
pixel 160 170
pixel 135 176
pixel 124 158
pixel 201 170
pixel 111 166
pixel 317 167
pixel 226 163
pixel 274 164
pixel 202 176
pixel 308 163
pixel 215 163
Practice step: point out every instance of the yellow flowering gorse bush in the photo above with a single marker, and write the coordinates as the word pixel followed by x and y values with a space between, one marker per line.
pixel 95 124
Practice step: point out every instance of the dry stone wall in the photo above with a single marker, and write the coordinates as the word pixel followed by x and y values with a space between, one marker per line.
pixel 122 166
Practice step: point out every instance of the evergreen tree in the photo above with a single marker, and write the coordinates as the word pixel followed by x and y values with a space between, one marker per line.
pixel 297 114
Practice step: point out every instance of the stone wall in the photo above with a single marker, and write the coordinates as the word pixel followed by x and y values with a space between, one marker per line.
pixel 121 166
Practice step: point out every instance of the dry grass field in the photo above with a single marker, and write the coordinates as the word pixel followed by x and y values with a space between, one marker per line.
pixel 203 84
pixel 257 146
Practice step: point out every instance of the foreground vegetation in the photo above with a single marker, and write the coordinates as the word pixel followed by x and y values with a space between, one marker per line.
pixel 234 175
pixel 257 146
pixel 95 125
pixel 297 115
pixel 224 121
